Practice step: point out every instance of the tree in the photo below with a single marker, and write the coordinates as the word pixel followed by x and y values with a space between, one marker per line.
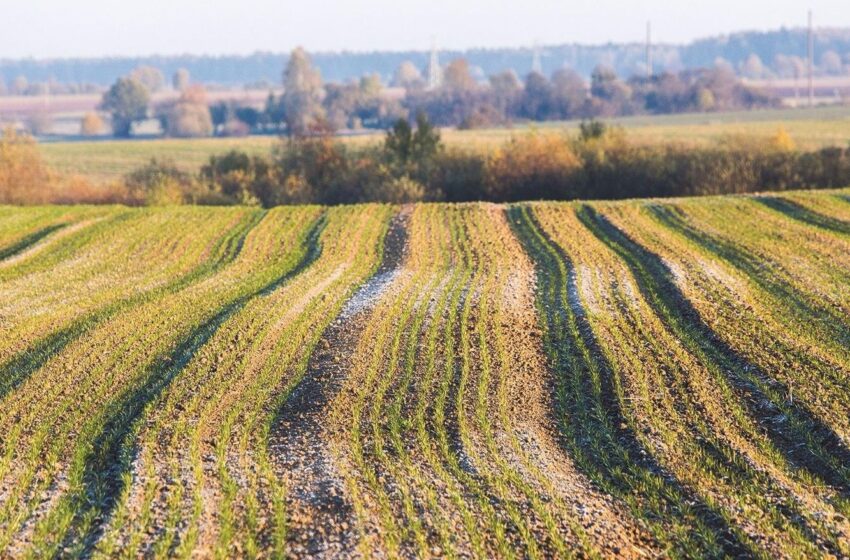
pixel 371 86
pixel 568 93
pixel 752 67
pixel 605 84
pixel 127 100
pixel 412 151
pixel 302 96
pixel 149 77
pixel 789 66
pixel 506 88
pixel 458 76
pixel 830 63
pixel 610 93
pixel 341 102
pixel 274 114
pixel 181 79
pixel 248 115
pixel 91 125
pixel 408 76
pixel 537 97
pixel 705 100
pixel 220 113
pixel 190 116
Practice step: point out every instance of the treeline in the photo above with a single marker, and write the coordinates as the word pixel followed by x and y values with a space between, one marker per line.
pixel 456 98
pixel 412 164
pixel 773 50
pixel 462 102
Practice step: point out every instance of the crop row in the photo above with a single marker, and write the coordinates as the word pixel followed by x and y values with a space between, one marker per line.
pixel 660 377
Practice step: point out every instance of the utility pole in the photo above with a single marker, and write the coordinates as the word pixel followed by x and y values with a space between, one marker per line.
pixel 649 49
pixel 811 61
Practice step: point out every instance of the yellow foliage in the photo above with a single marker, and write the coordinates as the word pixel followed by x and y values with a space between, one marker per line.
pixel 782 140
pixel 531 163
pixel 91 125
pixel 24 178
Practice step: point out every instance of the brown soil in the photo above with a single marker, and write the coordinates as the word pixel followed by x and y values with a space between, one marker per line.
pixel 319 516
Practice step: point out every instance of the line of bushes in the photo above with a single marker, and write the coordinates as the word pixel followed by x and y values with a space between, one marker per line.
pixel 412 165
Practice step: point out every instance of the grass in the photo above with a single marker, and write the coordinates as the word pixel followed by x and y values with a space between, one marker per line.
pixel 588 379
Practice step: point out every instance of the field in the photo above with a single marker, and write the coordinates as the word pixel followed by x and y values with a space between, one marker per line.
pixel 106 160
pixel 641 378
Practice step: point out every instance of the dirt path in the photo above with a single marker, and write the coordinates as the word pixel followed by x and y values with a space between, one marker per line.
pixel 319 517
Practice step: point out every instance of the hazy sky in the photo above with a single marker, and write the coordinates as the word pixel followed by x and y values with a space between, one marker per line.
pixel 63 28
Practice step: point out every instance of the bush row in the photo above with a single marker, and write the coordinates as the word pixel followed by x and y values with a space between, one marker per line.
pixel 531 167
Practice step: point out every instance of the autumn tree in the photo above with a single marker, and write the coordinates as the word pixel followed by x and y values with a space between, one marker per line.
pixel 190 116
pixel 149 77
pixel 569 93
pixel 752 67
pixel 408 76
pixel 506 89
pixel 458 76
pixel 127 100
pixel 536 103
pixel 91 125
pixel 303 92
pixel 371 86
pixel 24 178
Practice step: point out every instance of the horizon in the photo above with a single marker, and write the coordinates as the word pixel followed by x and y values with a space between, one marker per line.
pixel 426 49
pixel 90 30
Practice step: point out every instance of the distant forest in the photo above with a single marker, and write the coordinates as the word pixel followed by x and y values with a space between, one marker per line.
pixel 753 54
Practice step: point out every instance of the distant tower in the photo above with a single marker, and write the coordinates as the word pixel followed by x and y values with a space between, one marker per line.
pixel 537 60
pixel 649 49
pixel 435 75
pixel 811 61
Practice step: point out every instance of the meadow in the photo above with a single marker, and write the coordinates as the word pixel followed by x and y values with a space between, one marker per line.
pixel 642 378
pixel 108 160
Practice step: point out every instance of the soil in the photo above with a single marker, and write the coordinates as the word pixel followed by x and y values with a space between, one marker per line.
pixel 319 517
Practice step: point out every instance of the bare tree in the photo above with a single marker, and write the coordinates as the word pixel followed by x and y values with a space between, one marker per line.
pixel 303 92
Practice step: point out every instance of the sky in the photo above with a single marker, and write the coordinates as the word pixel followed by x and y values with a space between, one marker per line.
pixel 96 28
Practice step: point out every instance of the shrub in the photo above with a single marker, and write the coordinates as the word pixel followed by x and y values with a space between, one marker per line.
pixel 160 183
pixel 239 178
pixel 457 176
pixel 534 166
pixel 24 178
pixel 396 190
pixel 91 125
